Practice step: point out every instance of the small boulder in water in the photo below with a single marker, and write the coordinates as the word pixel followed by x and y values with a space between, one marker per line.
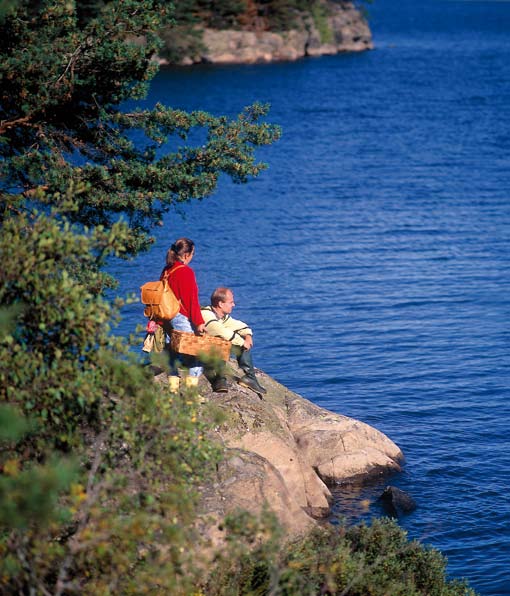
pixel 396 502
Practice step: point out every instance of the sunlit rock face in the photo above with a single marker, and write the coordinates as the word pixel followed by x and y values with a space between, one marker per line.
pixel 283 451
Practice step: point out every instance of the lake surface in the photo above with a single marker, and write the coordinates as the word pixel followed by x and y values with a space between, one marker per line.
pixel 373 257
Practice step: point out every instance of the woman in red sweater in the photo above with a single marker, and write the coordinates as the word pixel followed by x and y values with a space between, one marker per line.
pixel 181 279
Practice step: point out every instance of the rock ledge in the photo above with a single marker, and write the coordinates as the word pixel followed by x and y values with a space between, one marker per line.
pixel 284 451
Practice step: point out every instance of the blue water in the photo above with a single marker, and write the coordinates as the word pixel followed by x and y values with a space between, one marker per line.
pixel 373 257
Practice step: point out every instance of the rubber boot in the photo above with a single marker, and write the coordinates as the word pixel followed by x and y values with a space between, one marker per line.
pixel 252 383
pixel 249 380
pixel 216 377
pixel 173 383
pixel 220 385
pixel 192 383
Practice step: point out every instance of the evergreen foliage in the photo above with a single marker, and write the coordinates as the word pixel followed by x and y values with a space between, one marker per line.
pixel 61 123
pixel 275 15
pixel 119 514
pixel 364 560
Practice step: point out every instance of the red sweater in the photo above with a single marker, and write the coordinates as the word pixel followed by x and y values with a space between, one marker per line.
pixel 184 286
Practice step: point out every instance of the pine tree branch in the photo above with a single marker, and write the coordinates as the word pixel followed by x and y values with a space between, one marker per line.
pixel 6 124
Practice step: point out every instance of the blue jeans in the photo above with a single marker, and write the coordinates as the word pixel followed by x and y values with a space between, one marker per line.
pixel 182 323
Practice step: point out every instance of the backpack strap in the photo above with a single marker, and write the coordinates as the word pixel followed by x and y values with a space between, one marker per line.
pixel 168 273
pixel 173 270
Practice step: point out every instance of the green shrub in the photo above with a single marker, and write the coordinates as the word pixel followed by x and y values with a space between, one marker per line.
pixel 320 18
pixel 375 560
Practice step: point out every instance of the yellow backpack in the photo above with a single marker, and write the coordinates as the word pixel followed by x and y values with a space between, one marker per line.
pixel 160 302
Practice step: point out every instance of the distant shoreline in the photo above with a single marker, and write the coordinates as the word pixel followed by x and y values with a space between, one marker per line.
pixel 344 30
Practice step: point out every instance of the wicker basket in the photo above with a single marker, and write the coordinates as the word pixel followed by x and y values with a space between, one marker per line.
pixel 183 342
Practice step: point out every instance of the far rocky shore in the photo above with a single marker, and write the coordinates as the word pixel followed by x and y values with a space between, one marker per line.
pixel 285 452
pixel 345 29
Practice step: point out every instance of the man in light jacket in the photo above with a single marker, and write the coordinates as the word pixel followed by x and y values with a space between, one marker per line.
pixel 219 323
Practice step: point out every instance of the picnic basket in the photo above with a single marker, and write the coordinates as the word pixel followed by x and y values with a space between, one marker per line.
pixel 184 342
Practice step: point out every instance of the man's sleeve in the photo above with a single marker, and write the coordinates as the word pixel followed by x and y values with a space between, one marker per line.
pixel 231 329
pixel 239 329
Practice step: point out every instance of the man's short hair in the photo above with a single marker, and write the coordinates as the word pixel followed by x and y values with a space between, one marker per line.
pixel 219 295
